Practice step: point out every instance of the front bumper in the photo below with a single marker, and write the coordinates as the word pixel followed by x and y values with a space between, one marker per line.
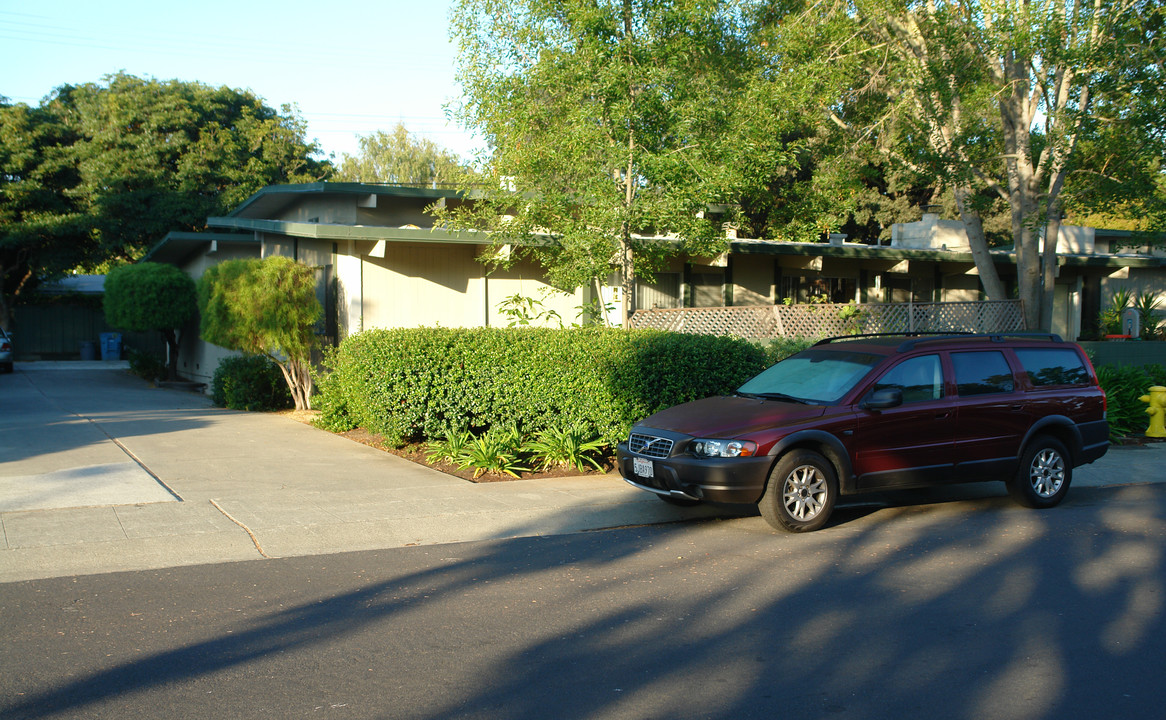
pixel 726 480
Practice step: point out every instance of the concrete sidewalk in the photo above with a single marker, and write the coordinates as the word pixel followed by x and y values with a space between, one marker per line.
pixel 100 472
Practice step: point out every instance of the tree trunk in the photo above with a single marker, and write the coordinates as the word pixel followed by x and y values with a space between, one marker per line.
pixel 989 277
pixel 297 374
pixel 1049 262
pixel 1016 113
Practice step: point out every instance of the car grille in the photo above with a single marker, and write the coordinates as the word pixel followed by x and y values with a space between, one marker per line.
pixel 649 445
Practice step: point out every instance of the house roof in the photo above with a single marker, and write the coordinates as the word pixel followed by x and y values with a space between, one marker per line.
pixel 271 201
pixel 179 247
pixel 256 215
pixel 327 231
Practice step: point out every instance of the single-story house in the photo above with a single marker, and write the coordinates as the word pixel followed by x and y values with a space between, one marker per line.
pixel 381 263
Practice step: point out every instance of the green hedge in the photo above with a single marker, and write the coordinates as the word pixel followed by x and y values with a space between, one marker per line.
pixel 1123 386
pixel 413 384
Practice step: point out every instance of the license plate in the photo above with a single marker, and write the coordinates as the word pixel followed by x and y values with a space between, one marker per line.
pixel 642 467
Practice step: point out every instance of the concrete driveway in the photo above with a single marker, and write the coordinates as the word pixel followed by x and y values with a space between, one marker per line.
pixel 100 471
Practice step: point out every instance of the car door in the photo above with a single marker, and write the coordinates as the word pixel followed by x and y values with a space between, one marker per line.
pixel 910 444
pixel 991 415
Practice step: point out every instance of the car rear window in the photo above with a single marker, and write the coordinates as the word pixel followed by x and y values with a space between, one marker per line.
pixel 981 373
pixel 1053 366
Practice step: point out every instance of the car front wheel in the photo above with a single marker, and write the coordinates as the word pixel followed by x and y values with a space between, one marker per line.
pixel 1043 478
pixel 800 493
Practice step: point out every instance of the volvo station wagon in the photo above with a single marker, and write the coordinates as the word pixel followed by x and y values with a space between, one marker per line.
pixel 878 412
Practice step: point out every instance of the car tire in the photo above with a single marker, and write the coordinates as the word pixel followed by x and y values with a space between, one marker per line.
pixel 800 493
pixel 679 501
pixel 1044 474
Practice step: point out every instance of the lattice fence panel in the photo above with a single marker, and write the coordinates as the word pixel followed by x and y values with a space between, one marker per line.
pixel 818 321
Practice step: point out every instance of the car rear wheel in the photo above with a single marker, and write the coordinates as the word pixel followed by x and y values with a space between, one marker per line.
pixel 800 493
pixel 1043 478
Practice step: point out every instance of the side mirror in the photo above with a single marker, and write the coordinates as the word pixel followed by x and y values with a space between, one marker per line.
pixel 883 399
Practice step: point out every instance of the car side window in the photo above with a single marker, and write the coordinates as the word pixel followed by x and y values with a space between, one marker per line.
pixel 981 373
pixel 919 378
pixel 1053 367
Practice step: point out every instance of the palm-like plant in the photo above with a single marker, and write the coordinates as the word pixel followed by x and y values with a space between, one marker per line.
pixel 1147 306
pixel 565 447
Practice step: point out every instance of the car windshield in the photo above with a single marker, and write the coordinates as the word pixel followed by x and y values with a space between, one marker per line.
pixel 816 376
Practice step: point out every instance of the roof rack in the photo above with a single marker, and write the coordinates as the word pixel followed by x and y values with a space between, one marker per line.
pixel 920 337
pixel 994 337
pixel 911 334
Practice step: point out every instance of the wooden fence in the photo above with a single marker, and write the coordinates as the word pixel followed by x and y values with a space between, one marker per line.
pixel 819 320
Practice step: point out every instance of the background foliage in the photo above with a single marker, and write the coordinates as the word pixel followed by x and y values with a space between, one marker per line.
pixel 100 172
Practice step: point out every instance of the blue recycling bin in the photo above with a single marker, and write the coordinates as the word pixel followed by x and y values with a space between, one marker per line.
pixel 111 346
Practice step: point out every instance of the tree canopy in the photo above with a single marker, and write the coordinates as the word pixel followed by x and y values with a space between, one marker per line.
pixel 399 156
pixel 100 172
pixel 605 122
pixel 151 296
pixel 1046 106
pixel 613 120
pixel 264 307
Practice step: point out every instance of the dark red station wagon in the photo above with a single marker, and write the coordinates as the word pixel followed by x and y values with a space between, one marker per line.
pixel 877 412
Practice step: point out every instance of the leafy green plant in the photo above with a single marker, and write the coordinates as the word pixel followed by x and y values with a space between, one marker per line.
pixel 852 317
pixel 450 447
pixel 1123 386
pixel 565 447
pixel 1146 304
pixel 1110 318
pixel 498 450
pixel 250 382
pixel 524 310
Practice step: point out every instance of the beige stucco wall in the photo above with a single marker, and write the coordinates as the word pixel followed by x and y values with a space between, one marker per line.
pixel 753 280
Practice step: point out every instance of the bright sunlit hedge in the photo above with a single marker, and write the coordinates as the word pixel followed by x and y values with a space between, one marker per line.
pixel 413 384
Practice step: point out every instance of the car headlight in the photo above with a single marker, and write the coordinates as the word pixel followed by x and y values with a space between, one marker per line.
pixel 703 447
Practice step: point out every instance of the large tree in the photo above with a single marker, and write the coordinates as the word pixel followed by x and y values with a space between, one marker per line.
pixel 100 172
pixel 997 97
pixel 151 296
pixel 400 157
pixel 264 307
pixel 604 120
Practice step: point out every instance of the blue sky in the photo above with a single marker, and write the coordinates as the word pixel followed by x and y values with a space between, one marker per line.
pixel 352 66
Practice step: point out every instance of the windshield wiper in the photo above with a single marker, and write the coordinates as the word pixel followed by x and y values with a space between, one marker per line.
pixel 783 396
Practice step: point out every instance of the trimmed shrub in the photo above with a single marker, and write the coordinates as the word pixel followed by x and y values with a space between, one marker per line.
pixel 250 382
pixel 413 384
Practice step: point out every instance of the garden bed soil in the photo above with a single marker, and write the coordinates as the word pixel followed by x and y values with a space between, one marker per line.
pixel 415 452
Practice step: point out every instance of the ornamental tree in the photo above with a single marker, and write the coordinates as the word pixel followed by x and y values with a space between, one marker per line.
pixel 264 307
pixel 151 296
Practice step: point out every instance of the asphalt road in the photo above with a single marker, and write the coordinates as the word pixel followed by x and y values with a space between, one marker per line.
pixel 967 608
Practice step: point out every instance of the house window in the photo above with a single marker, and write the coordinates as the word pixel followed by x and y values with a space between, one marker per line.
pixel 708 286
pixel 803 289
pixel 664 293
